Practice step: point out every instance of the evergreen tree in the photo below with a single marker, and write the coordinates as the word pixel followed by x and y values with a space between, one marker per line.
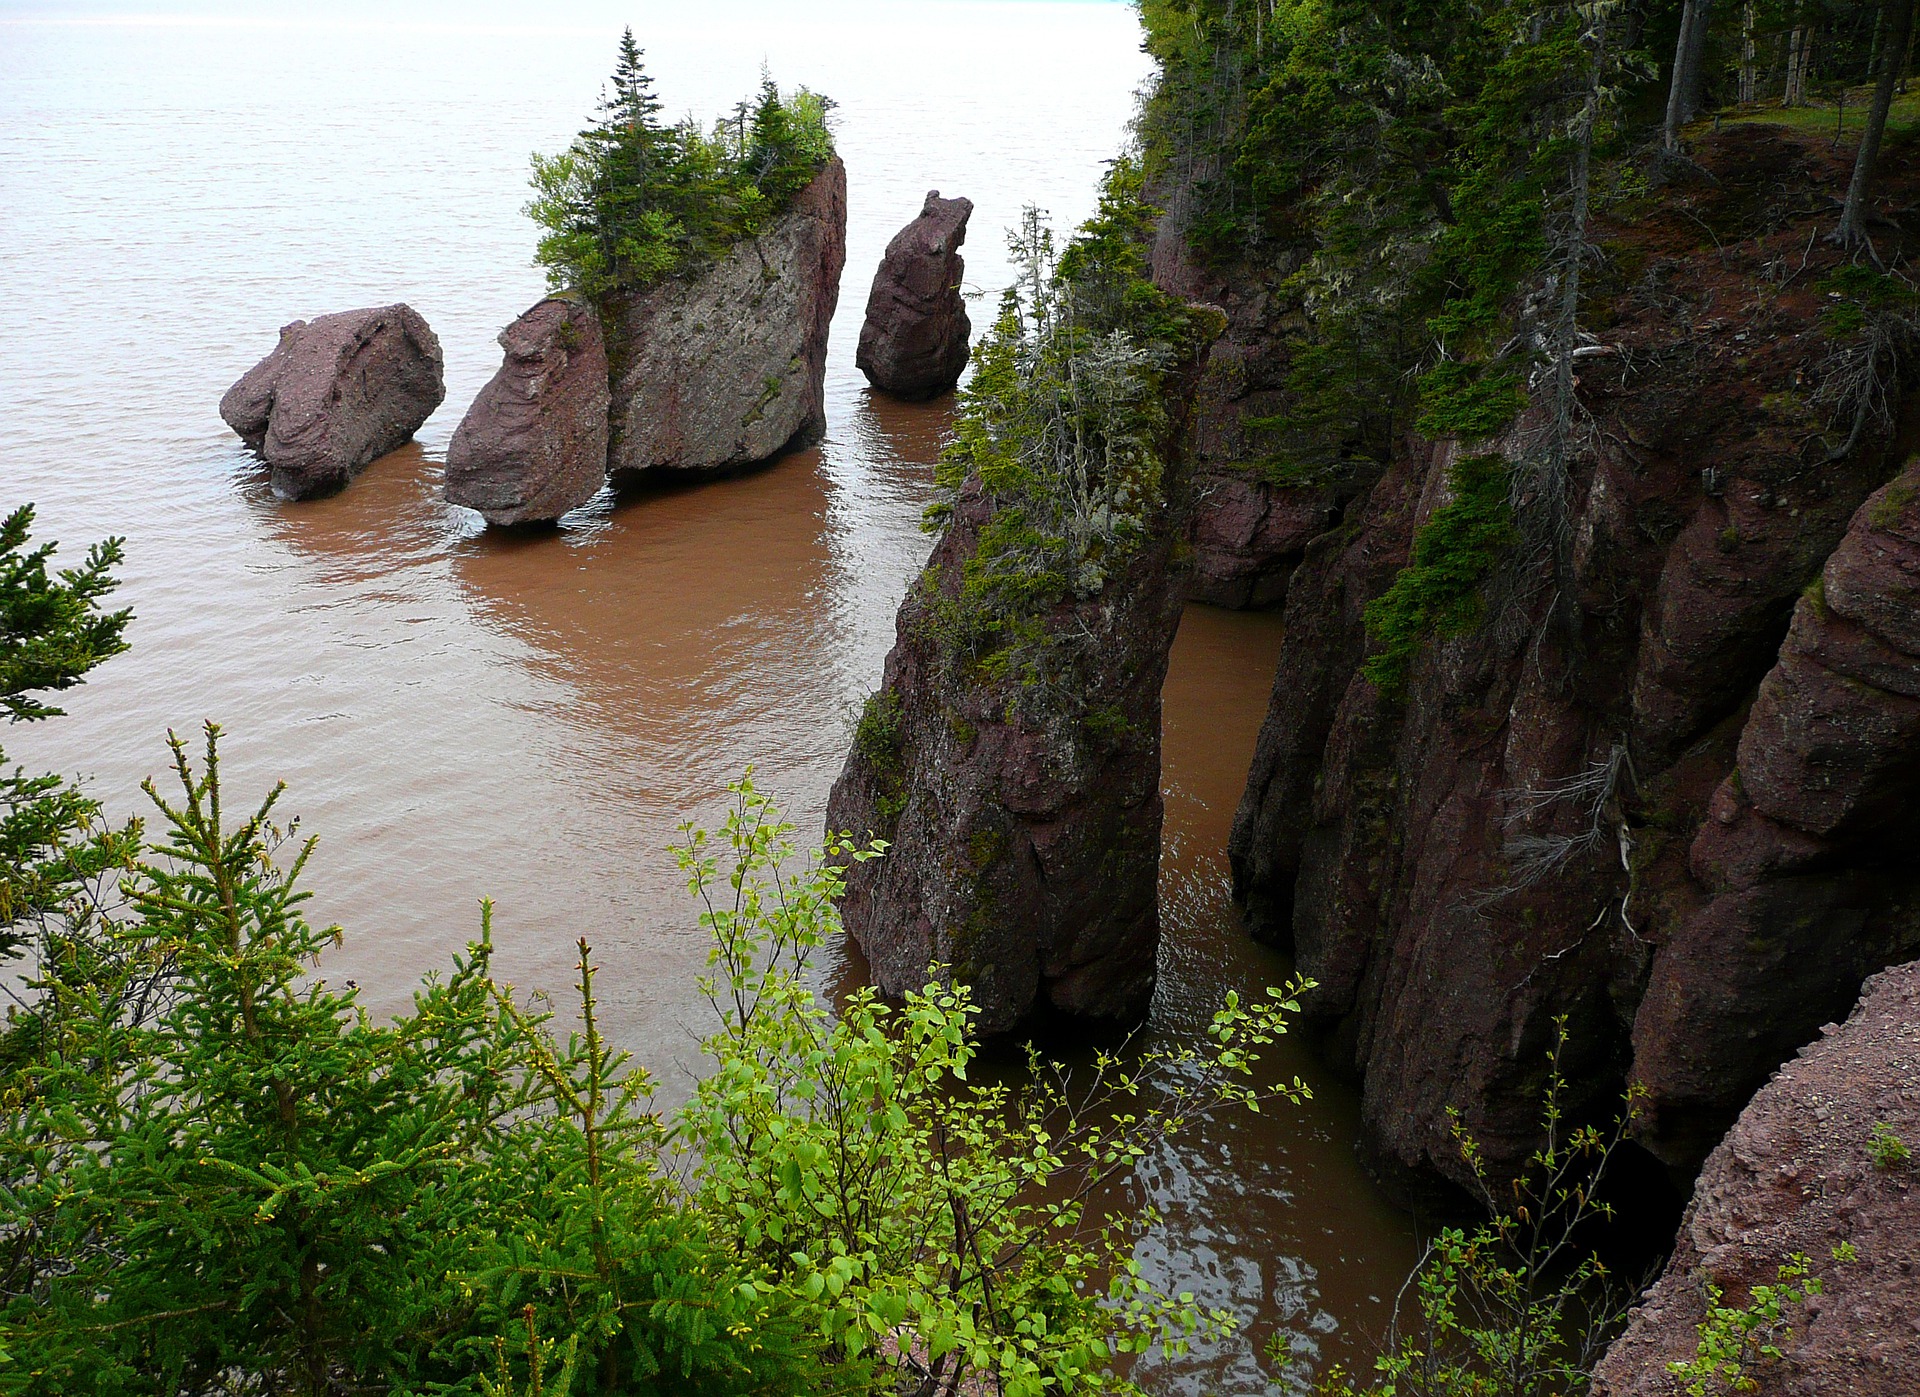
pixel 633 201
pixel 52 632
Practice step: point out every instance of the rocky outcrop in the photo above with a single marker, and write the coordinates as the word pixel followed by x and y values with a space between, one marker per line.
pixel 1807 851
pixel 1025 830
pixel 726 368
pixel 534 443
pixel 335 394
pixel 1255 509
pixel 913 343
pixel 1798 1177
pixel 1511 838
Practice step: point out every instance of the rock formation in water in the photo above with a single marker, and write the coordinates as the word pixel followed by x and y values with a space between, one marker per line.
pixel 914 341
pixel 1254 512
pixel 1800 1175
pixel 726 368
pixel 534 443
pixel 335 394
pixel 1617 821
pixel 1025 840
pixel 1011 757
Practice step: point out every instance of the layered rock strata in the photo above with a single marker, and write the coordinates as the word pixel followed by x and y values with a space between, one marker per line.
pixel 337 393
pixel 534 443
pixel 726 368
pixel 1518 834
pixel 913 343
pixel 1810 1168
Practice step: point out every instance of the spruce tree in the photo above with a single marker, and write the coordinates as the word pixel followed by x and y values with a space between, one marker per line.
pixel 52 632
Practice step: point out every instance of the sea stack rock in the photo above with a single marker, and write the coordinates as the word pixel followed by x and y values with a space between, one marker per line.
pixel 1024 829
pixel 914 341
pixel 335 394
pixel 1801 1174
pixel 534 443
pixel 727 368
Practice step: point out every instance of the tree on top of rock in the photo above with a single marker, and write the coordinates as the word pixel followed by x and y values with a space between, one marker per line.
pixel 632 201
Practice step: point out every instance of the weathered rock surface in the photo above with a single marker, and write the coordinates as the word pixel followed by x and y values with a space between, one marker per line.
pixel 913 343
pixel 1253 516
pixel 1794 1176
pixel 1015 771
pixel 1808 848
pixel 1025 845
pixel 534 443
pixel 1513 838
pixel 335 394
pixel 727 368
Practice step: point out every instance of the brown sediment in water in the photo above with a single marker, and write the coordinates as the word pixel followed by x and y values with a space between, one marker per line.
pixel 529 717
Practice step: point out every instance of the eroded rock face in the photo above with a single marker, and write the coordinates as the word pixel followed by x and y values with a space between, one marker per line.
pixel 1796 1176
pixel 1025 844
pixel 1808 846
pixel 914 341
pixel 1252 518
pixel 335 394
pixel 726 369
pixel 1513 837
pixel 534 443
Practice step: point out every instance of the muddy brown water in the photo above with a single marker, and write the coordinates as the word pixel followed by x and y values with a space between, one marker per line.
pixel 459 714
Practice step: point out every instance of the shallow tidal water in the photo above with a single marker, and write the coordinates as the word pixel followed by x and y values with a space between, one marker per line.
pixel 530 718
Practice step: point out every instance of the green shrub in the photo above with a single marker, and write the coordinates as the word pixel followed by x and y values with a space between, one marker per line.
pixel 1886 1149
pixel 221 1170
pixel 1064 425
pixel 1736 1341
pixel 53 841
pixel 1438 592
pixel 1520 1306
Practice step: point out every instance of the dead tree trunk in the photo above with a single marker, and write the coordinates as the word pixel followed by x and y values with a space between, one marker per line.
pixel 1852 231
pixel 1749 56
pixel 1799 60
pixel 1689 69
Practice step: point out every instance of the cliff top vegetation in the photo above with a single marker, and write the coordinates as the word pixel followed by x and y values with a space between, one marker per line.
pixel 635 200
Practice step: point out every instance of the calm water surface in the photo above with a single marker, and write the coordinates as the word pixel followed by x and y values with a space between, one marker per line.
pixel 458 714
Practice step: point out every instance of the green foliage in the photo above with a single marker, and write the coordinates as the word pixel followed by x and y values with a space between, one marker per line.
pixel 1886 1149
pixel 1438 592
pixel 632 202
pixel 53 844
pixel 1859 294
pixel 219 1170
pixel 879 740
pixel 1062 430
pixel 1738 1340
pixel 1518 1307
pixel 939 1225
pixel 1404 162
